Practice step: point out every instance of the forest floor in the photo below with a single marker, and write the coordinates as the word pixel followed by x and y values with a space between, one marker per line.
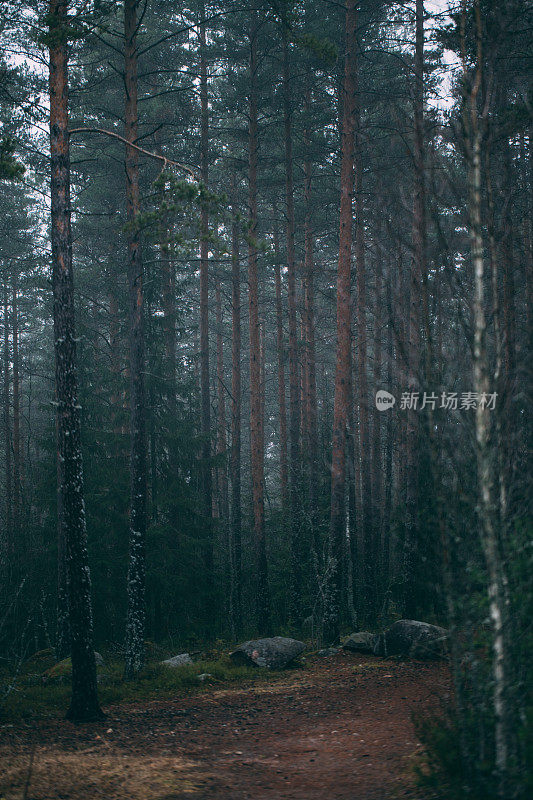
pixel 339 729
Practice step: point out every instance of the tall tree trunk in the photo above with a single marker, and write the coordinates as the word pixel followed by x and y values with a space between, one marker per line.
pixel 135 625
pixel 17 468
pixel 281 374
pixel 309 313
pixel 488 506
pixel 223 499
pixel 256 427
pixel 235 544
pixel 387 506
pixel 510 423
pixel 9 543
pixel 377 469
pixel 343 360
pixel 207 489
pixel 361 393
pixel 294 389
pixel 84 701
pixel 411 599
pixel 169 311
pixel 62 647
pixel 114 348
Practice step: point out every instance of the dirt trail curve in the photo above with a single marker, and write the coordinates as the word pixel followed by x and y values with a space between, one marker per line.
pixel 339 730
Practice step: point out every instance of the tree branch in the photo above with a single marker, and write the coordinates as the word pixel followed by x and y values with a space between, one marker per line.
pixel 166 161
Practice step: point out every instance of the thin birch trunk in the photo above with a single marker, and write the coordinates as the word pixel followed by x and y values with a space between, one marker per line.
pixel 488 505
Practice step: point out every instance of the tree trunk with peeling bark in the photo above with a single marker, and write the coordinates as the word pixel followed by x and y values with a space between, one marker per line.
pixel 504 728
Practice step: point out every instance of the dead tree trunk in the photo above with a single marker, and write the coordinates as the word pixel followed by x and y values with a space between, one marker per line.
pixel 343 360
pixel 84 702
pixel 135 624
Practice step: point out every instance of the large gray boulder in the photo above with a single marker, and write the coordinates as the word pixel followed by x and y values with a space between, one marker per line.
pixel 361 642
pixel 180 660
pixel 409 637
pixel 274 653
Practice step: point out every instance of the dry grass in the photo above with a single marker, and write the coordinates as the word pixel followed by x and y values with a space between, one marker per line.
pixel 99 772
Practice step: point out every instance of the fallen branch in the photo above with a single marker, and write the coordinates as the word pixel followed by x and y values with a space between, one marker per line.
pixel 166 161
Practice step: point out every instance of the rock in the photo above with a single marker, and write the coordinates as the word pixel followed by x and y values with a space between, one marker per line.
pixel 180 660
pixel 361 642
pixel 274 653
pixel 328 651
pixel 61 672
pixel 204 676
pixel 409 637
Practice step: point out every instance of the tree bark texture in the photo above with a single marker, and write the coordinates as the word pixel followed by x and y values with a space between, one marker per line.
pixel 411 601
pixel 295 481
pixel 84 701
pixel 136 619
pixel 343 360
pixel 280 346
pixel 256 427
pixel 207 489
pixel 236 520
pixel 370 576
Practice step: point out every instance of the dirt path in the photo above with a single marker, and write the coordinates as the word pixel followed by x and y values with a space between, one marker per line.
pixel 339 730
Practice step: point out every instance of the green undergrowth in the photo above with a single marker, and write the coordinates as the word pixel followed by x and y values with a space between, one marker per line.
pixel 42 687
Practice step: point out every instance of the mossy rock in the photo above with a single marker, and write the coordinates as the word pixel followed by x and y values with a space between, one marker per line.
pixel 153 651
pixel 40 661
pixel 62 671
